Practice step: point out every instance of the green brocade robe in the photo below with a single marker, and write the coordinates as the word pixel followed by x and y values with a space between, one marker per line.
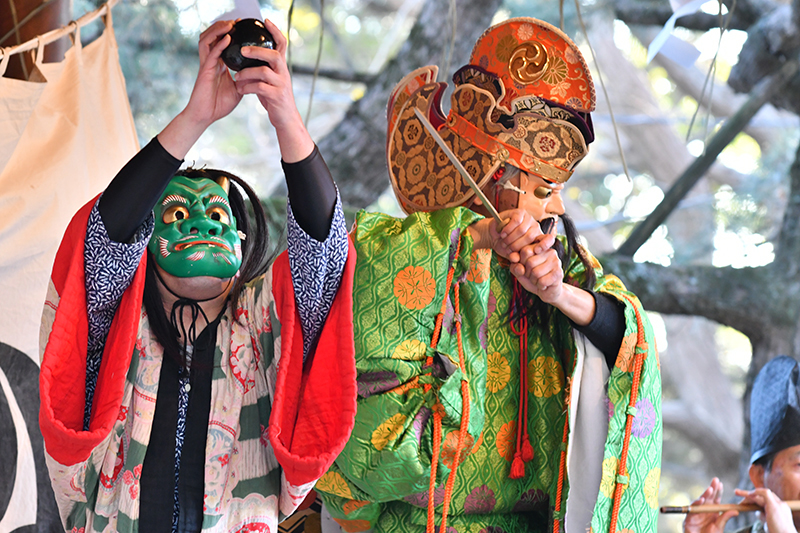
pixel 381 479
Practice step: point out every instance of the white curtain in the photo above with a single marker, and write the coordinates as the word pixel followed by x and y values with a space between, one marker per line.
pixel 61 141
pixel 63 136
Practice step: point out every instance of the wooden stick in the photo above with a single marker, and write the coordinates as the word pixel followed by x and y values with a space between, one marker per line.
pixel 794 505
pixel 460 168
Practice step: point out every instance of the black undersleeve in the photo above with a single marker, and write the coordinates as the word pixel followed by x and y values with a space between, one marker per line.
pixel 311 193
pixel 136 188
pixel 607 327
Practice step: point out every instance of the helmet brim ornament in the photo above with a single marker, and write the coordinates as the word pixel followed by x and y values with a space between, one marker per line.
pixel 524 100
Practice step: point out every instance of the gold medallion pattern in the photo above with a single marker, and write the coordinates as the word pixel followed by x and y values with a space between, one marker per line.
pixel 528 62
pixel 533 58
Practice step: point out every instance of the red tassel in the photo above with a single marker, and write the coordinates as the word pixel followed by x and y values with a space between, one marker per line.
pixel 517 467
pixel 527 449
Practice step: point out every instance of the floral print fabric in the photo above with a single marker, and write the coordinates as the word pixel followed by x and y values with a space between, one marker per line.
pixel 381 480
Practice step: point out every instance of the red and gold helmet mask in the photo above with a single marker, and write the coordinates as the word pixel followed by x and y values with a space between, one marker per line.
pixel 524 100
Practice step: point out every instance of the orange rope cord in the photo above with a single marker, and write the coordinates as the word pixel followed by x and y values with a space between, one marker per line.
pixel 640 354
pixel 462 434
pixel 440 317
pixel 437 443
pixel 457 309
pixel 465 407
pixel 437 415
pixel 562 462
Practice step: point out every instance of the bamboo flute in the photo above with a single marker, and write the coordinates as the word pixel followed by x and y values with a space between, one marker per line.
pixel 794 505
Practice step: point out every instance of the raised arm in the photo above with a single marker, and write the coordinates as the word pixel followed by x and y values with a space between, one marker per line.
pixel 317 237
pixel 132 194
pixel 120 224
pixel 273 86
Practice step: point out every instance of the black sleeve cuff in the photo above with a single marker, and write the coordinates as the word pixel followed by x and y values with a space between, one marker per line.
pixel 607 327
pixel 131 195
pixel 312 194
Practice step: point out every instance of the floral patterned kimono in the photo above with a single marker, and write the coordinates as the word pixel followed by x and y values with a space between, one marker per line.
pixel 433 397
pixel 275 424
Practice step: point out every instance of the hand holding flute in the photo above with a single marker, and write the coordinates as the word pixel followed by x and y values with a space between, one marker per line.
pixel 776 513
pixel 708 522
pixel 708 515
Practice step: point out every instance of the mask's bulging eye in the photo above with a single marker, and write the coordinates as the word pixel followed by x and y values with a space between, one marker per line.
pixel 218 214
pixel 542 192
pixel 174 213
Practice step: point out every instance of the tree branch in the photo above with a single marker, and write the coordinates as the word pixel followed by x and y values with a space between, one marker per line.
pixel 331 31
pixel 760 95
pixel 747 299
pixel 335 74
pixel 687 420
pixel 788 253
pixel 770 42
pixel 657 13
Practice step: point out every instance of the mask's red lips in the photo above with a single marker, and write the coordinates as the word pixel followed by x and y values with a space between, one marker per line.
pixel 184 245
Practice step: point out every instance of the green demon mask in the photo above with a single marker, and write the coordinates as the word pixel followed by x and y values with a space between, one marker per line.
pixel 195 232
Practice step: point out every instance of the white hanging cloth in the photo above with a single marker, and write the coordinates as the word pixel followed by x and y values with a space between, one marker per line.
pixel 62 140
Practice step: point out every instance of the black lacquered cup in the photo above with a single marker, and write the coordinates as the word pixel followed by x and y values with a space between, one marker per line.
pixel 247 32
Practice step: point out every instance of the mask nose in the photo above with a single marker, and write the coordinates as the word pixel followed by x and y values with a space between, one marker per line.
pixel 203 226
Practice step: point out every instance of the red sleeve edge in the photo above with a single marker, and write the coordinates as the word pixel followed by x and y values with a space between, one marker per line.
pixel 313 414
pixel 62 375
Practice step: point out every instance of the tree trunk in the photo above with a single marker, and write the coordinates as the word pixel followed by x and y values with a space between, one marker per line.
pixel 13 15
pixel 355 149
pixel 775 37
